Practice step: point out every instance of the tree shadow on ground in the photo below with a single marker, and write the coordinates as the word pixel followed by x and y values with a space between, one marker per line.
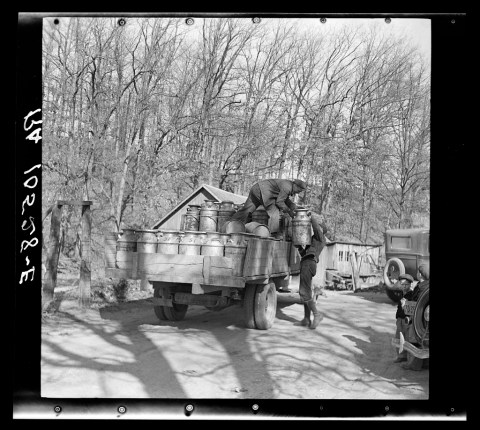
pixel 382 364
pixel 283 316
pixel 138 343
pixel 253 379
pixel 373 296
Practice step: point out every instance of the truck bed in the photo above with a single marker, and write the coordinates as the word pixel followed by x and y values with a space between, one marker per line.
pixel 264 259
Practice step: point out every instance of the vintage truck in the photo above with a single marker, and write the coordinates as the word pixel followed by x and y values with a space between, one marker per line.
pixel 405 251
pixel 248 271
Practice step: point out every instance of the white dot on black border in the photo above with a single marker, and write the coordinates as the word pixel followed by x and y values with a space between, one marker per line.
pixel 57 409
pixel 122 409
pixel 121 22
pixel 189 21
pixel 323 20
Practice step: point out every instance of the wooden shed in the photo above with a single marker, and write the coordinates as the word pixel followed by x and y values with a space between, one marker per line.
pixel 173 219
pixel 336 257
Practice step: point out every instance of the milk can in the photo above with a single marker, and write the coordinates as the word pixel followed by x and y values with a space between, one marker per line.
pixel 168 242
pixel 236 239
pixel 127 241
pixel 213 246
pixel 213 235
pixel 225 211
pixel 226 205
pixel 233 226
pixel 257 229
pixel 240 238
pixel 190 243
pixel 224 237
pixel 260 215
pixel 147 241
pixel 202 237
pixel 126 246
pixel 247 237
pixel 192 218
pixel 302 228
pixel 208 216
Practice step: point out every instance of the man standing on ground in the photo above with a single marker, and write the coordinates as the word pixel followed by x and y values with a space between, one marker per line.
pixel 308 268
pixel 415 363
pixel 405 281
pixel 274 195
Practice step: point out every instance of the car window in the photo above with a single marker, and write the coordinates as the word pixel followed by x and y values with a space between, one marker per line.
pixel 401 242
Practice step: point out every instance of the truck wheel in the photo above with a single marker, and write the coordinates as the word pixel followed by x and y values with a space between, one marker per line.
pixel 392 270
pixel 175 313
pixel 249 305
pixel 421 318
pixel 265 306
pixel 159 312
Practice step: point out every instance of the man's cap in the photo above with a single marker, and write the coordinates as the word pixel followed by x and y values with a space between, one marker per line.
pixel 300 184
pixel 407 277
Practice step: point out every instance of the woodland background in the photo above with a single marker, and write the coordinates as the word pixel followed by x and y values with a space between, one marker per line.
pixel 137 116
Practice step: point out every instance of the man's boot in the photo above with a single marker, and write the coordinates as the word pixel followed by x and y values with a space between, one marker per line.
pixel 306 319
pixel 317 316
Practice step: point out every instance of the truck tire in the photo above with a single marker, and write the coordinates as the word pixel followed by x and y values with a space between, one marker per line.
pixel 392 270
pixel 249 305
pixel 175 313
pixel 163 313
pixel 421 317
pixel 265 306
pixel 159 310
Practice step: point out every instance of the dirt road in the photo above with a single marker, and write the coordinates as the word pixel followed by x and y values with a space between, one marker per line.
pixel 125 351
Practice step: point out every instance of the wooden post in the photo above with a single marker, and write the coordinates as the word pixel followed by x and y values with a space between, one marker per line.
pixel 50 279
pixel 85 264
pixel 355 270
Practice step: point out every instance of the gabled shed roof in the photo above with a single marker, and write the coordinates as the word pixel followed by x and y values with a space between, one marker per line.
pixel 223 196
pixel 216 194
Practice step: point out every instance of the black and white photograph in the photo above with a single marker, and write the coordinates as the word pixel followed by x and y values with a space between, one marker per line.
pixel 232 207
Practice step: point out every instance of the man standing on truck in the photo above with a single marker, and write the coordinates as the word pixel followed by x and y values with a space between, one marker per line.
pixel 308 268
pixel 274 195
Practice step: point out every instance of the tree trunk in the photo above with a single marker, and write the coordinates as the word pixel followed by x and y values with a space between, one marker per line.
pixel 50 280
pixel 85 263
